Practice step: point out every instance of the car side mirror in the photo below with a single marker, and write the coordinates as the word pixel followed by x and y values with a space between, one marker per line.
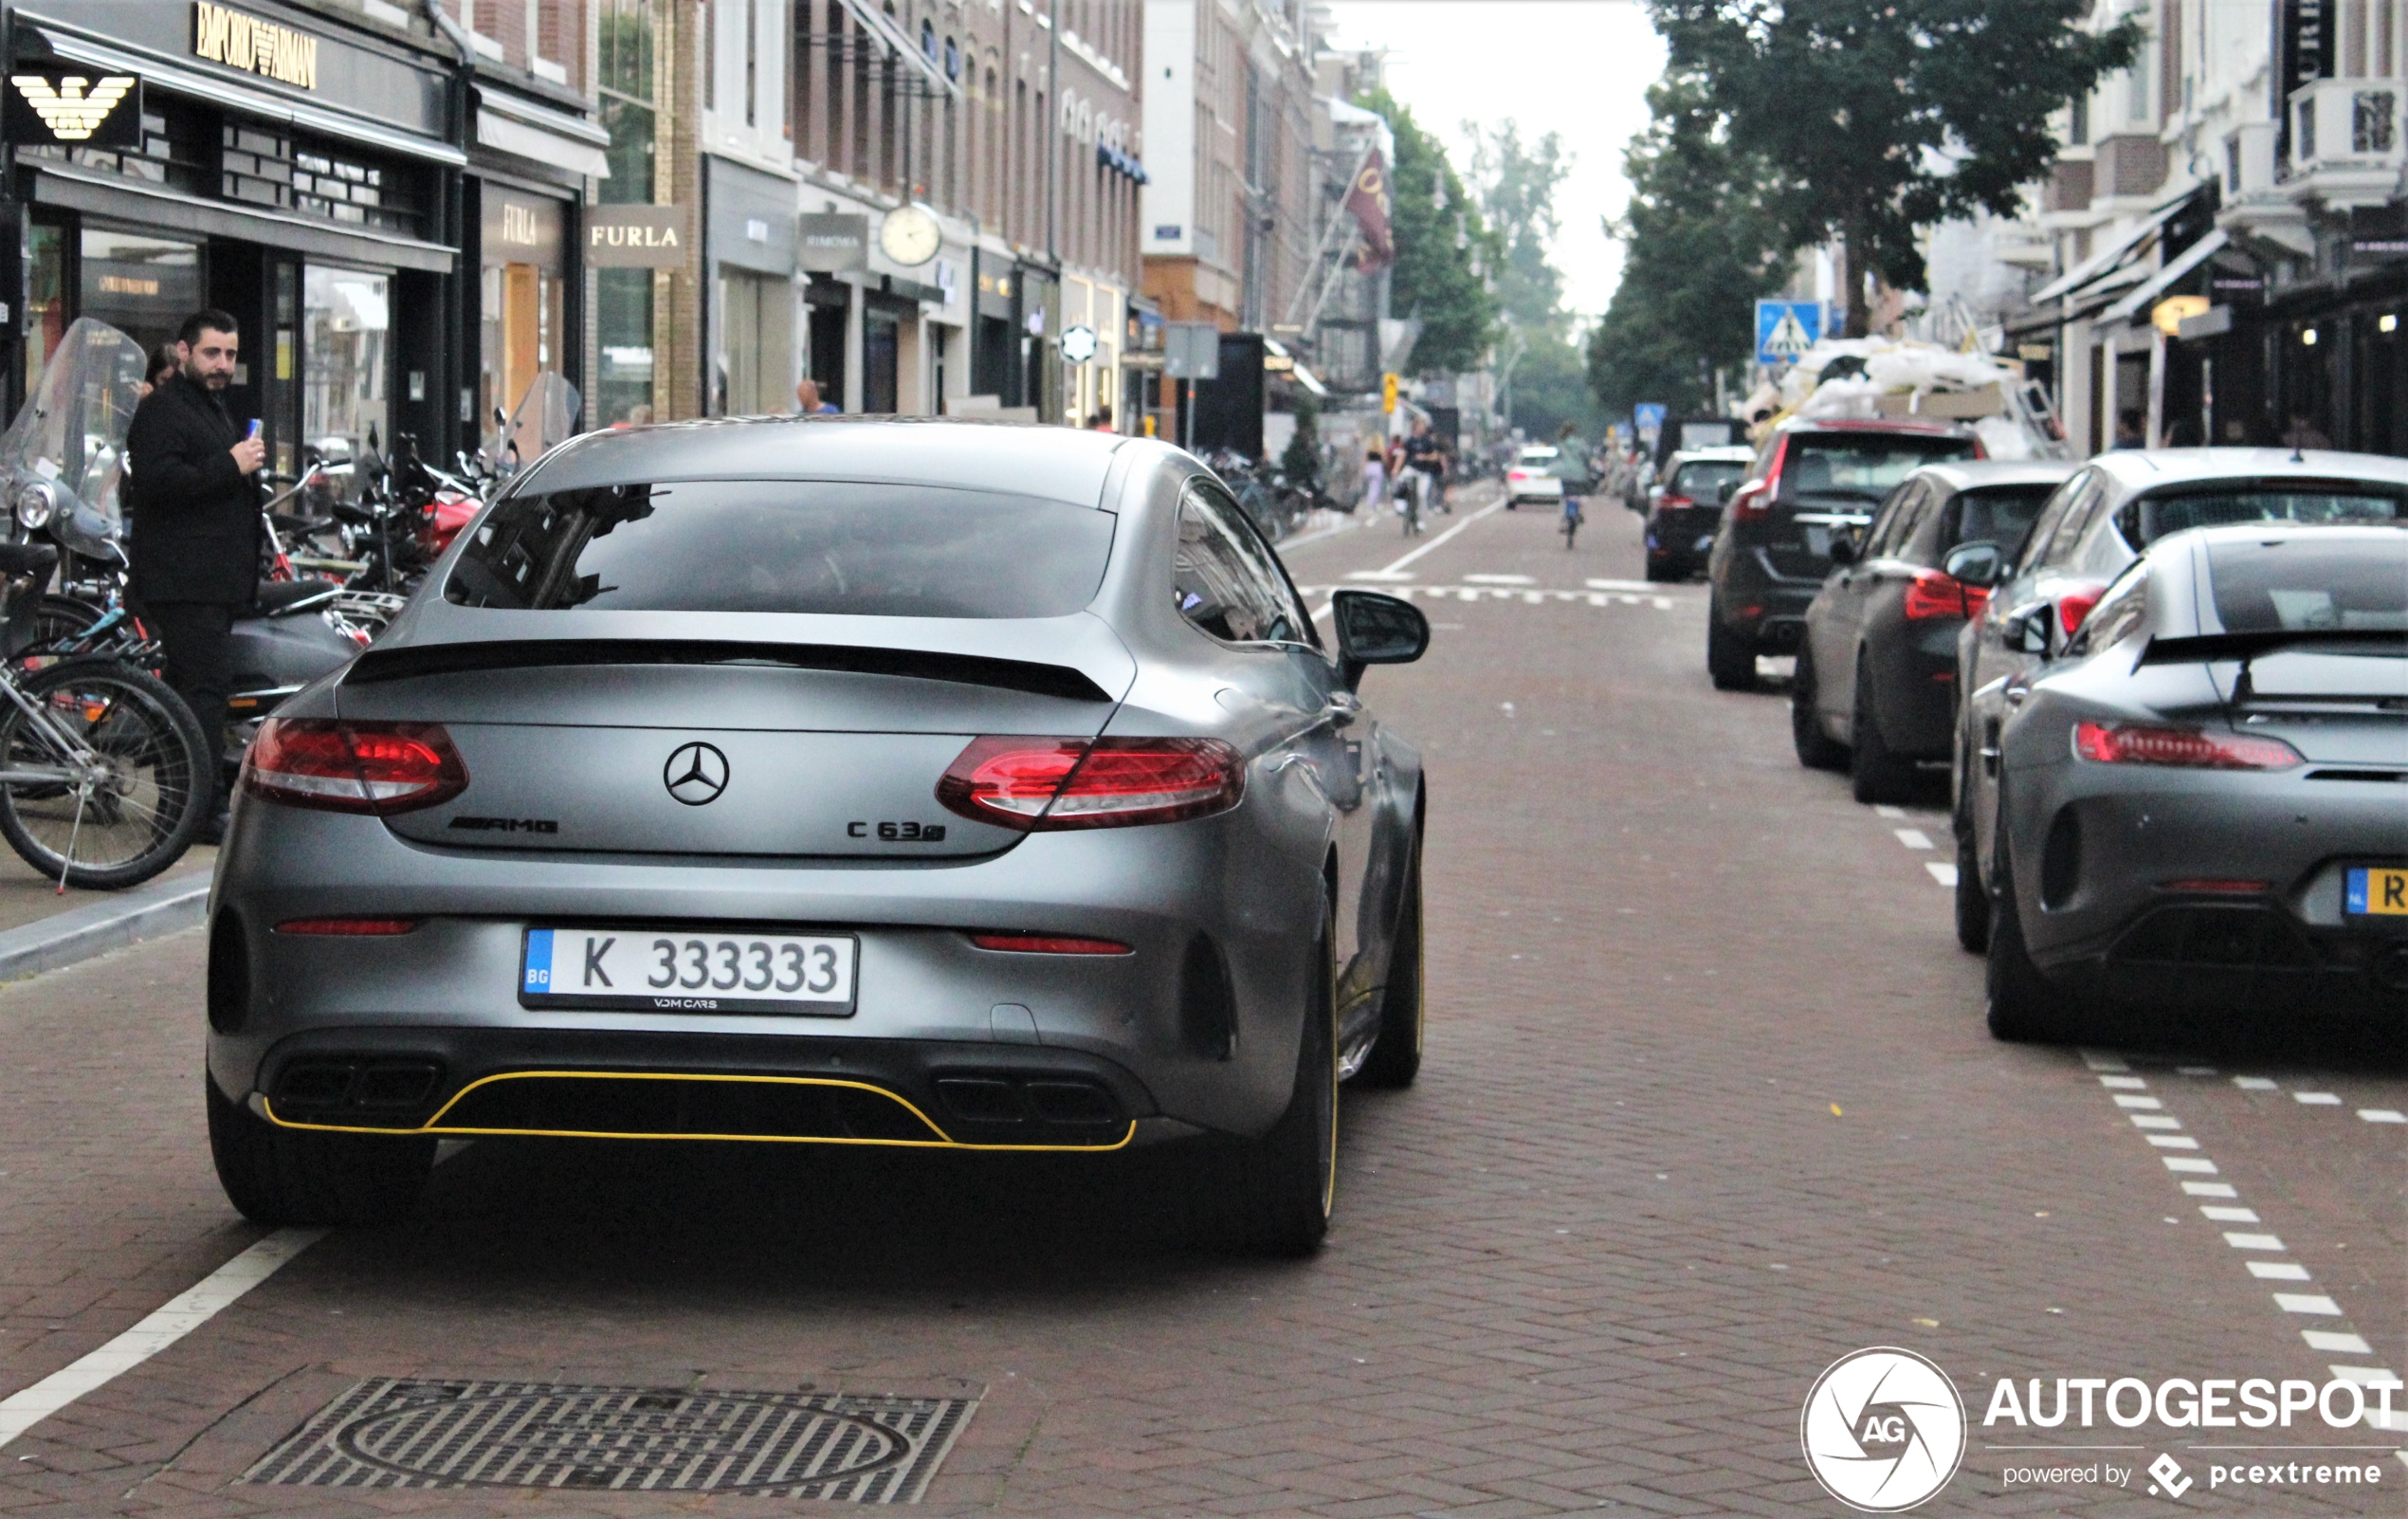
pixel 1977 563
pixel 1723 492
pixel 1376 629
pixel 1843 550
pixel 2027 629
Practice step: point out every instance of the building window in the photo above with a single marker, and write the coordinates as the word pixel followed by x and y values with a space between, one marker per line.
pixel 623 376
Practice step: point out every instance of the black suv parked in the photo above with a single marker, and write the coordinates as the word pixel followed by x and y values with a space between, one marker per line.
pixel 1813 479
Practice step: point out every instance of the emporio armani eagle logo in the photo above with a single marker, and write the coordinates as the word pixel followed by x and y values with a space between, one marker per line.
pixel 72 113
pixel 696 774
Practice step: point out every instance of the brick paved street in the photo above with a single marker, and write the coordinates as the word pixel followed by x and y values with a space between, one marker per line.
pixel 1707 1104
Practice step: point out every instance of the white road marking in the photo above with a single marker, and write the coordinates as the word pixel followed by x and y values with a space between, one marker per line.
pixel 2347 1345
pixel 1378 574
pixel 1622 585
pixel 2190 1165
pixel 2316 1099
pixel 2165 1121
pixel 2241 1241
pixel 1914 838
pixel 1942 872
pixel 2314 1303
pixel 183 1313
pixel 2278 1271
pixel 2255 1083
pixel 2136 1101
pixel 2124 1083
pixel 2209 1189
pixel 1500 579
pixel 1879 808
pixel 2102 1060
pixel 2382 1115
pixel 1490 510
pixel 2173 1141
pixel 2232 1215
pixel 2369 1377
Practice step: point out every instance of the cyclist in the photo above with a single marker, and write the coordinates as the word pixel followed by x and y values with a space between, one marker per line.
pixel 1572 516
pixel 1426 459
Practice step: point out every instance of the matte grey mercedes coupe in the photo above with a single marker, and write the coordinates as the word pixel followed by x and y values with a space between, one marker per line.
pixel 884 782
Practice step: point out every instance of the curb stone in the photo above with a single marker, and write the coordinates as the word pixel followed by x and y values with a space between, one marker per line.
pixel 69 938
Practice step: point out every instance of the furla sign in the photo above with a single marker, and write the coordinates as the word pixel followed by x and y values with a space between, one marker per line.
pixel 635 237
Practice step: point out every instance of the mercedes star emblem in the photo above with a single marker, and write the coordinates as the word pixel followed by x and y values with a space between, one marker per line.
pixel 696 774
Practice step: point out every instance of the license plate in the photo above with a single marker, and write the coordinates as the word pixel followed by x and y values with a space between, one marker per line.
pixel 666 970
pixel 2376 892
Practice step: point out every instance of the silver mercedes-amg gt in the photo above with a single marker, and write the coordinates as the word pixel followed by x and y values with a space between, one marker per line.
pixel 2200 800
pixel 885 782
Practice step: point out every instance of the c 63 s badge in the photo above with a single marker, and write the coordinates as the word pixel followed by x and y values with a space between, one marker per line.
pixel 898 832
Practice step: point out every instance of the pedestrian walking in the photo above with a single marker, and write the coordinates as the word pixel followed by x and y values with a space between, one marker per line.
pixel 1375 479
pixel 806 401
pixel 192 484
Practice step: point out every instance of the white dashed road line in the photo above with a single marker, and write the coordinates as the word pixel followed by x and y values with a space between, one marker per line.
pixel 2147 1113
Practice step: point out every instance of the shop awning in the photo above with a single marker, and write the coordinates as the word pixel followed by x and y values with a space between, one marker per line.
pixel 2108 257
pixel 530 131
pixel 77 47
pixel 884 28
pixel 102 194
pixel 2182 264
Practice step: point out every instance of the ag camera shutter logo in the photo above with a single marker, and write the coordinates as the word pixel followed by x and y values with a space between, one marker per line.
pixel 1882 1430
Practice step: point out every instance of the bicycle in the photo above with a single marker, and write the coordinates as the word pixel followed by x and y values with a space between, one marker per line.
pixel 1410 487
pixel 1572 519
pixel 105 774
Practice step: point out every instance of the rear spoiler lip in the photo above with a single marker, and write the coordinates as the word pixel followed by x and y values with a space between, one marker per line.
pixel 2206 648
pixel 411 661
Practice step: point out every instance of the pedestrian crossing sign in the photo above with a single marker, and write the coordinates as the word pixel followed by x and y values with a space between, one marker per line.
pixel 1785 329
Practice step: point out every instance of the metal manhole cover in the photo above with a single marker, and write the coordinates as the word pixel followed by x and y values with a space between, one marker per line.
pixel 393 1432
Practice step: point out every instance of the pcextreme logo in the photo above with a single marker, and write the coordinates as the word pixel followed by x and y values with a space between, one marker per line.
pixel 1882 1430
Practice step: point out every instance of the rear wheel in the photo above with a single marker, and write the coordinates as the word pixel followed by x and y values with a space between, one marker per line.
pixel 1973 902
pixel 1659 571
pixel 1730 662
pixel 2024 1008
pixel 1274 1195
pixel 1395 1057
pixel 1875 774
pixel 282 1176
pixel 1816 750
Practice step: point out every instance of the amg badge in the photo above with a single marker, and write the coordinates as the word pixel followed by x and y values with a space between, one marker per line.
pixel 508 825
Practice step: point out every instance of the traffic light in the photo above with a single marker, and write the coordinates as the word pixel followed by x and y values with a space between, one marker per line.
pixel 1388 395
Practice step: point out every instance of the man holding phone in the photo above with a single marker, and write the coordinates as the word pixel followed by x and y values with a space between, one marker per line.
pixel 192 488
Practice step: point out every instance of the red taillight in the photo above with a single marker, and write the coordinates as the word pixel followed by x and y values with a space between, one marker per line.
pixel 1049 785
pixel 1679 501
pixel 2189 748
pixel 380 768
pixel 1754 501
pixel 2075 606
pixel 1931 594
pixel 1048 944
pixel 349 927
pixel 1517 474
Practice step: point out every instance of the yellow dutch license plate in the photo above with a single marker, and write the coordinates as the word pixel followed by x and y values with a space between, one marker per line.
pixel 2376 892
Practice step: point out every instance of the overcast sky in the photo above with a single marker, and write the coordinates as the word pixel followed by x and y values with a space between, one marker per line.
pixel 1581 67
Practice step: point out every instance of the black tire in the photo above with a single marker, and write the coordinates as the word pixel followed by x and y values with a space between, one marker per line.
pixel 1816 750
pixel 1395 1056
pixel 1730 661
pixel 1874 774
pixel 1972 901
pixel 160 785
pixel 1660 573
pixel 2024 1008
pixel 280 1176
pixel 1272 1196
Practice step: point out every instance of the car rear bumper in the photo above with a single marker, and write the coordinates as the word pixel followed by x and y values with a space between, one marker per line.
pixel 1198 1023
pixel 1681 536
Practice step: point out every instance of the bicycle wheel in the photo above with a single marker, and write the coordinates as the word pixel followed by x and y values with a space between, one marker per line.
pixel 131 810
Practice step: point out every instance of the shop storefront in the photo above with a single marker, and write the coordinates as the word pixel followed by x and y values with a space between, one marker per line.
pixel 529 164
pixel 751 256
pixel 284 169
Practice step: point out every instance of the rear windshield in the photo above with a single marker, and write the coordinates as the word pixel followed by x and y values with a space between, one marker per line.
pixel 1704 480
pixel 2301 585
pixel 2145 520
pixel 1999 514
pixel 799 546
pixel 1823 467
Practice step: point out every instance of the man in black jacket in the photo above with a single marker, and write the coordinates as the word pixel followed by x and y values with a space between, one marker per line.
pixel 190 475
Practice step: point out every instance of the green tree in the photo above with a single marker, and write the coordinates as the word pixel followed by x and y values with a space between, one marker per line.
pixel 1881 118
pixel 1518 182
pixel 1701 247
pixel 1436 230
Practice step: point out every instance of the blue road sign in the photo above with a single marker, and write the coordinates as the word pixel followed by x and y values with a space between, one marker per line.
pixel 1648 416
pixel 1785 329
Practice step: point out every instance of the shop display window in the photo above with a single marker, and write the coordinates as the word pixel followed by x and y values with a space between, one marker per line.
pixel 346 361
pixel 141 285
